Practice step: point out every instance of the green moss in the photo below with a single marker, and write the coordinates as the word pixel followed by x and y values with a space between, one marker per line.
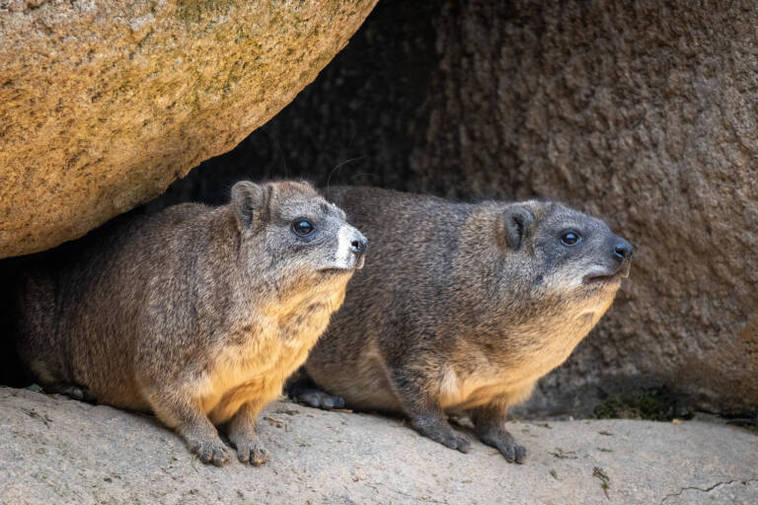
pixel 561 454
pixel 605 481
pixel 651 405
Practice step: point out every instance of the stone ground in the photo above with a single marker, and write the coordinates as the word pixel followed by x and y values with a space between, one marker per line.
pixel 57 450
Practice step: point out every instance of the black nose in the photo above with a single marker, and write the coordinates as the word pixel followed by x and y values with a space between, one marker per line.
pixel 359 245
pixel 622 250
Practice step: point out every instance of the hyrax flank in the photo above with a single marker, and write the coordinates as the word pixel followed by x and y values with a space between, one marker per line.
pixel 462 308
pixel 197 314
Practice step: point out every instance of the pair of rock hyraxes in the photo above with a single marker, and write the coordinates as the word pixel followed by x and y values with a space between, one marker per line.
pixel 200 314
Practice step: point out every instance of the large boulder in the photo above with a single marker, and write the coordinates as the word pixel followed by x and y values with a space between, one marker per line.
pixel 104 104
pixel 643 113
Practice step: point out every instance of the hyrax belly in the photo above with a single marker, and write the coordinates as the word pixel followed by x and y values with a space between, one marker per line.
pixel 460 391
pixel 367 386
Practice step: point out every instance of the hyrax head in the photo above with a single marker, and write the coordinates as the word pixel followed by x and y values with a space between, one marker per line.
pixel 293 236
pixel 570 250
pixel 546 260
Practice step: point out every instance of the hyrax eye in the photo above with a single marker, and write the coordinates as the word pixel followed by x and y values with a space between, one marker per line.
pixel 302 227
pixel 570 238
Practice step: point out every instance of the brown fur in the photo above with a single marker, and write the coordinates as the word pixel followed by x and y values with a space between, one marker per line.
pixel 197 314
pixel 461 308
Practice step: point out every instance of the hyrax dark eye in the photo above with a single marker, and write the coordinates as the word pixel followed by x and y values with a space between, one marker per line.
pixel 302 227
pixel 570 238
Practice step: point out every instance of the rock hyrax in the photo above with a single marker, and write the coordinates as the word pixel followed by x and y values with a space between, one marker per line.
pixel 197 314
pixel 462 308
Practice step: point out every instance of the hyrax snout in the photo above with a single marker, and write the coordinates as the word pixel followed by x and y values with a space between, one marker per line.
pixel 462 308
pixel 197 314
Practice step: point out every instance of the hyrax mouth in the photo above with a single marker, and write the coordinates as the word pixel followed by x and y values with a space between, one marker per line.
pixel 336 271
pixel 621 272
pixel 342 270
pixel 596 278
pixel 357 265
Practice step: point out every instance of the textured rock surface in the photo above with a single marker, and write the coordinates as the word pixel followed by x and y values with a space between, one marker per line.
pixel 642 113
pixel 104 104
pixel 56 450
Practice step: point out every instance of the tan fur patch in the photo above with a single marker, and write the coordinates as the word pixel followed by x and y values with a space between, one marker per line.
pixel 256 370
pixel 544 344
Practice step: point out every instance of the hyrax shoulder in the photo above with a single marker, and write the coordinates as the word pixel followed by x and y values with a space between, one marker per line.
pixel 463 307
pixel 197 314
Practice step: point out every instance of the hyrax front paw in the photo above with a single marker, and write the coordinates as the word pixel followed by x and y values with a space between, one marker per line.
pixel 440 431
pixel 210 451
pixel 503 441
pixel 251 451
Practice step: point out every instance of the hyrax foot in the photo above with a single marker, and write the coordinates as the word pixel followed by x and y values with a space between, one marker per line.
pixel 191 424
pixel 210 451
pixel 251 451
pixel 440 431
pixel 315 398
pixel 74 391
pixel 503 441
pixel 241 432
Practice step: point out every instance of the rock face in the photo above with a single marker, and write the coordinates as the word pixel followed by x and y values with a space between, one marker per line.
pixel 642 113
pixel 56 450
pixel 104 104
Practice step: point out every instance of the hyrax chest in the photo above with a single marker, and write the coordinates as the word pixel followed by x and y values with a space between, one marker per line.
pixel 507 370
pixel 259 355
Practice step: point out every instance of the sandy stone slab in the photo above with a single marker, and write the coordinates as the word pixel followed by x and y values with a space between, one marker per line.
pixel 57 450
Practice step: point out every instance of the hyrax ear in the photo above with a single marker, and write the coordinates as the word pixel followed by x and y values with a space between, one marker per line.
pixel 519 224
pixel 248 201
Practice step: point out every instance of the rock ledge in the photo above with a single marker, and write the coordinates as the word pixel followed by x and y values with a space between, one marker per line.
pixel 57 450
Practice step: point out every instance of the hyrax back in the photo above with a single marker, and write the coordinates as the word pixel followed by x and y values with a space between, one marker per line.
pixel 462 307
pixel 198 314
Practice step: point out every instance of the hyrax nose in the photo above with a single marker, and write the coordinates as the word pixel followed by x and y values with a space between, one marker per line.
pixel 359 244
pixel 622 250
